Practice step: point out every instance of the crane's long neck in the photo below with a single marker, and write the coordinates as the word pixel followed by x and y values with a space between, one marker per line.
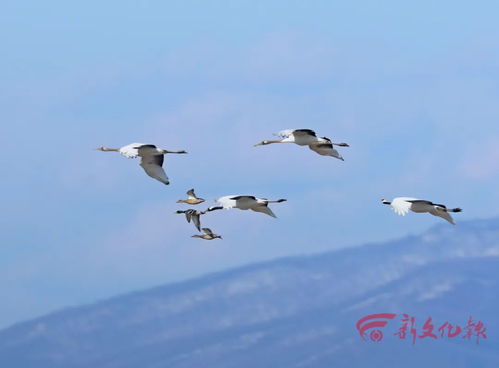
pixel 108 149
pixel 263 143
pixel 340 144
pixel 385 202
pixel 276 141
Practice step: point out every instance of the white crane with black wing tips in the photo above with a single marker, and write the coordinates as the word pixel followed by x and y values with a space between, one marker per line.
pixel 301 137
pixel 402 206
pixel 151 158
pixel 245 202
pixel 307 137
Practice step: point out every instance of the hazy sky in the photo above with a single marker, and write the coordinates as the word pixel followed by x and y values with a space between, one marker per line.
pixel 412 87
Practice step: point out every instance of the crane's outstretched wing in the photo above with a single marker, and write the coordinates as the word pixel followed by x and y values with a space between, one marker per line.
pixel 296 132
pixel 190 194
pixel 148 150
pixel 441 212
pixel 243 197
pixel 326 149
pixel 303 132
pixel 264 209
pixel 152 165
pixel 422 201
pixel 284 133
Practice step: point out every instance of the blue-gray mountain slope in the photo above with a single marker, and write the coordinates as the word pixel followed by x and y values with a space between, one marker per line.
pixel 293 312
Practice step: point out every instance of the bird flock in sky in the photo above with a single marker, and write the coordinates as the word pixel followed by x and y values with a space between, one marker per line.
pixel 152 159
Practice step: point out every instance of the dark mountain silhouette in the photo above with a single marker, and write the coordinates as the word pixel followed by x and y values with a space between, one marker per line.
pixel 292 312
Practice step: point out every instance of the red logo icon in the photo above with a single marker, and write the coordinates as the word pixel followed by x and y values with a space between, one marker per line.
pixel 373 321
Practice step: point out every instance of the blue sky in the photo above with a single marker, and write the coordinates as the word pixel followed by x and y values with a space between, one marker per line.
pixel 412 87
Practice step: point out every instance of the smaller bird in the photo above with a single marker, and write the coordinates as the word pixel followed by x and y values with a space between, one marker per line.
pixel 191 198
pixel 208 235
pixel 193 215
pixel 402 205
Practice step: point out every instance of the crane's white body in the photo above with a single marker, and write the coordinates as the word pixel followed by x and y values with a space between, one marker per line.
pixel 402 206
pixel 245 202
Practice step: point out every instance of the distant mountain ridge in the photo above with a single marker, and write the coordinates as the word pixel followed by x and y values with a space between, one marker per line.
pixel 291 312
